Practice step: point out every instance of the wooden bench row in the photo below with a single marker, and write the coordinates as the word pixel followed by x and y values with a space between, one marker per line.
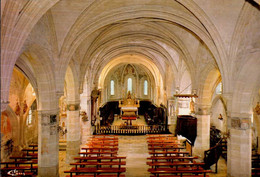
pixel 255 165
pixel 99 159
pixel 168 159
pixel 25 164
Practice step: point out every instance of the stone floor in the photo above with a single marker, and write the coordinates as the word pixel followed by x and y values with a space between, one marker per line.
pixel 136 151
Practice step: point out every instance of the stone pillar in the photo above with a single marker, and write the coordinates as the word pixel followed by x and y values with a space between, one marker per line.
pixel 239 150
pixel 172 116
pixel 85 126
pixel 48 143
pixel 73 130
pixel 202 142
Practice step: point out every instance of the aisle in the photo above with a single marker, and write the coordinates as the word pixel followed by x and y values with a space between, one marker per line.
pixel 136 150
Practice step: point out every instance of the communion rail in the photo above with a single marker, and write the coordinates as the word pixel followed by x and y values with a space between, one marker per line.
pixel 131 130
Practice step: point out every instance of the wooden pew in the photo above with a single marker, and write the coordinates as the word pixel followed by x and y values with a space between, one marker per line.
pixel 96 171
pixel 99 149
pixel 93 145
pixel 97 164
pixel 102 143
pixel 177 165
pixel 34 146
pixel 166 148
pixel 160 144
pixel 255 163
pixel 171 158
pixel 100 159
pixel 23 157
pixel 255 156
pixel 255 172
pixel 157 172
pixel 18 163
pixel 113 153
pixel 168 153
pixel 163 141
pixel 30 150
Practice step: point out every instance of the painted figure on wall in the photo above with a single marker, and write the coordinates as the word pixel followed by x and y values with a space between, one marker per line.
pixel 5 124
pixel 25 107
pixel 6 136
pixel 17 109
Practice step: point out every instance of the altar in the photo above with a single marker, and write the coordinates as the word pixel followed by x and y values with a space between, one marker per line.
pixel 129 108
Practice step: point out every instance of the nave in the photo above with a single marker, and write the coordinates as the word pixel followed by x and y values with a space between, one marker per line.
pixel 68 66
pixel 135 149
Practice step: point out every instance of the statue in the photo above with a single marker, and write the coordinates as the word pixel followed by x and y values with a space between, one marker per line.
pixel 128 95
pixel 220 117
pixel 192 110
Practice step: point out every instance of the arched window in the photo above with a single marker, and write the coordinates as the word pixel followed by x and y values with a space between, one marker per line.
pixel 129 85
pixel 112 87
pixel 29 118
pixel 219 88
pixel 31 114
pixel 145 87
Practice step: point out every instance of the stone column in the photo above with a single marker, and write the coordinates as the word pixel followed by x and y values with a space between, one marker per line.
pixel 202 142
pixel 85 105
pixel 239 150
pixel 73 130
pixel 48 143
pixel 172 116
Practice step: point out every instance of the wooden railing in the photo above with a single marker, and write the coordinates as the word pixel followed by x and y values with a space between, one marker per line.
pixel 131 130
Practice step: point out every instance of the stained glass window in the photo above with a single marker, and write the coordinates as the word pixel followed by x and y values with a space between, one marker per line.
pixel 145 87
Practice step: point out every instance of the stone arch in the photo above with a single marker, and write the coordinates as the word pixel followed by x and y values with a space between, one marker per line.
pixel 135 59
pixel 23 17
pixel 219 102
pixel 72 84
pixel 208 85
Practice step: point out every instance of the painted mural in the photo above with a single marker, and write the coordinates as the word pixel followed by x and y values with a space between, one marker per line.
pixel 6 136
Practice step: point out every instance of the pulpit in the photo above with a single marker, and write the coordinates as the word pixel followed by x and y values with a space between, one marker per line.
pixel 129 108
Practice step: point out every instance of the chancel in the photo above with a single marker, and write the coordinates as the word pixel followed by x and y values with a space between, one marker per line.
pixel 129 107
pixel 130 88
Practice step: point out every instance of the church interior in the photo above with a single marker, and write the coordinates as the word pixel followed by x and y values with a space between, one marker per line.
pixel 136 88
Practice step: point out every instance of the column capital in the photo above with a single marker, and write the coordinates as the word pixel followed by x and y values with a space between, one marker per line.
pixel 239 121
pixel 4 105
pixel 203 109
